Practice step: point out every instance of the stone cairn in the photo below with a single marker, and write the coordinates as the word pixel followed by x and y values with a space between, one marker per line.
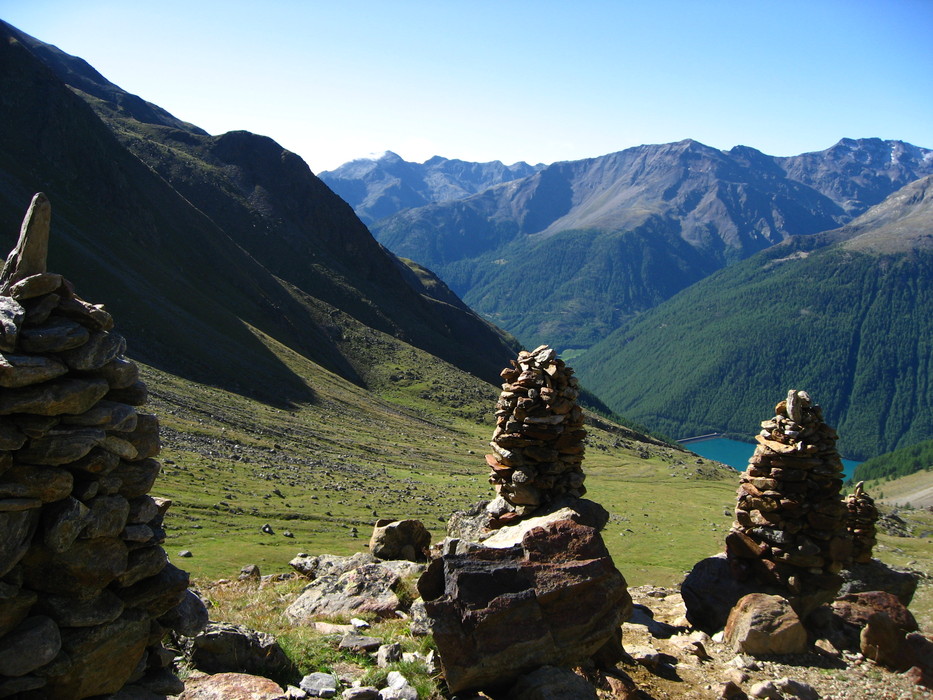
pixel 537 446
pixel 790 529
pixel 861 523
pixel 83 578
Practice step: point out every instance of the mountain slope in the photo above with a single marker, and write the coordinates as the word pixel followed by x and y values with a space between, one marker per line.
pixel 379 187
pixel 234 218
pixel 846 315
pixel 680 209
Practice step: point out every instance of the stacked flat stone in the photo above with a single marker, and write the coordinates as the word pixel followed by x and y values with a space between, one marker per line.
pixel 790 528
pixel 860 523
pixel 83 578
pixel 537 445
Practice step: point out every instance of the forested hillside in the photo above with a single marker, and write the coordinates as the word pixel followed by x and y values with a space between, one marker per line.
pixel 847 316
pixel 893 465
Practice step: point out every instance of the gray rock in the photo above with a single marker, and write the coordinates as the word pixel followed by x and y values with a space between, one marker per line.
pixel 397 688
pixel 223 647
pixel 16 531
pixel 29 256
pixel 61 446
pixel 23 370
pixel 368 589
pixel 359 643
pixel 362 693
pixel 329 564
pixel 388 654
pixel 319 685
pixel 796 689
pixel 100 349
pixel 30 645
pixel 137 478
pixel 84 568
pixel 142 563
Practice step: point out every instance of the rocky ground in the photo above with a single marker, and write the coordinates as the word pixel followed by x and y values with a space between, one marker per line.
pixel 670 661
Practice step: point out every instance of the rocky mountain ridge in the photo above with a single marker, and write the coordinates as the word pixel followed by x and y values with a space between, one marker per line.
pixel 665 216
pixel 379 187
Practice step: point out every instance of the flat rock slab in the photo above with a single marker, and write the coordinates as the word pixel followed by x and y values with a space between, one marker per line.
pixel 368 589
pixel 231 686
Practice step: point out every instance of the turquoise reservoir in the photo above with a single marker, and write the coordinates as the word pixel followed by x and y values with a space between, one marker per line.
pixel 736 453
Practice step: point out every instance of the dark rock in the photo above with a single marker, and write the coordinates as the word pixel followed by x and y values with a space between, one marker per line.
pixel 884 642
pixel 224 647
pixel 188 618
pixel 55 336
pixel 498 613
pixel 62 522
pixel 100 348
pixel 11 438
pixel 762 625
pixel 87 566
pixel 137 477
pixel 73 612
pixel 107 517
pixel 30 645
pixel 875 575
pixel 857 608
pixel 157 594
pixel 15 605
pixel 359 643
pixel 109 654
pixel 12 315
pixel 144 437
pixel 23 370
pixel 46 483
pixel 136 394
pixel 142 563
pixel 552 683
pixel 64 395
pixel 106 415
pixel 710 591
pixel 119 373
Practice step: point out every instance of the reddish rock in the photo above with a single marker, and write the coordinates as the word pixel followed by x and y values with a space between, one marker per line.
pixel 857 608
pixel 231 686
pixel 496 614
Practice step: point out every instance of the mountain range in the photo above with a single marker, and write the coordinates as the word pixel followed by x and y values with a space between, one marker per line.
pixel 210 246
pixel 845 314
pixel 569 253
pixel 379 187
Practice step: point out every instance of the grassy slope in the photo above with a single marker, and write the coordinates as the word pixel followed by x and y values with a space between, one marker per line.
pixel 412 447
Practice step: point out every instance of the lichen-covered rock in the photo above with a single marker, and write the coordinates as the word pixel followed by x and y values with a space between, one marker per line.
pixel 400 539
pixel 370 588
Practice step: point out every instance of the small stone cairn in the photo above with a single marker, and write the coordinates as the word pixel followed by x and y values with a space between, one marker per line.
pixel 861 523
pixel 790 528
pixel 83 578
pixel 537 446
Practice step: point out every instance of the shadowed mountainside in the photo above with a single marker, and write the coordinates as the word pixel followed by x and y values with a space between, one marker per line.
pixel 216 243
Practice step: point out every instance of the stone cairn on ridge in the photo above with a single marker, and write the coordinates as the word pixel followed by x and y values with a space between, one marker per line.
pixel 861 521
pixel 790 528
pixel 537 444
pixel 84 581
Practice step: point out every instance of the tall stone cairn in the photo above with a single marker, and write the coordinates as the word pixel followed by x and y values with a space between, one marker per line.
pixel 860 523
pixel 83 578
pixel 537 446
pixel 790 528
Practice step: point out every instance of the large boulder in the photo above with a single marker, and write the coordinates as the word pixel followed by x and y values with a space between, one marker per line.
pixel 764 625
pixel 370 588
pixel 497 613
pixel 226 648
pixel 710 591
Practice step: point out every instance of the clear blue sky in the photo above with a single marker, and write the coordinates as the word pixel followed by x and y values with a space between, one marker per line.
pixel 513 80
